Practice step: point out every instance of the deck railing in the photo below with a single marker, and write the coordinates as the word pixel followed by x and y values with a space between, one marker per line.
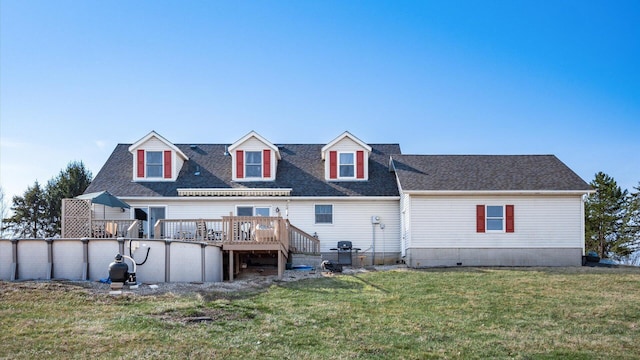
pixel 229 229
pixel 302 242
pixel 114 228
pixel 189 229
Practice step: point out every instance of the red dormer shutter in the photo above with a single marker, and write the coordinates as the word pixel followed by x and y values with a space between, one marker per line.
pixel 509 219
pixel 239 164
pixel 333 165
pixel 167 164
pixel 360 164
pixel 140 163
pixel 266 163
pixel 480 222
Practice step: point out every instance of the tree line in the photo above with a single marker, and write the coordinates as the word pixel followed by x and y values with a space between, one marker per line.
pixel 38 212
pixel 612 215
pixel 612 220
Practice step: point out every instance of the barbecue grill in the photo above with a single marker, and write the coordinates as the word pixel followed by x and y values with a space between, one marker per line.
pixel 345 249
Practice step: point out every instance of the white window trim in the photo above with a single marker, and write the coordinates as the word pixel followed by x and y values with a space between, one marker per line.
pixel 246 164
pixel 486 219
pixel 323 223
pixel 339 164
pixel 146 164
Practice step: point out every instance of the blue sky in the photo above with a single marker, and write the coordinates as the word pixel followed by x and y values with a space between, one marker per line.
pixel 446 77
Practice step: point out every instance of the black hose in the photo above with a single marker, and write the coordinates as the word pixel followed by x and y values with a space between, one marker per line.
pixel 145 258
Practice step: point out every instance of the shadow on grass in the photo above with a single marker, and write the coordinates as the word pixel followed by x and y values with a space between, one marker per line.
pixel 369 283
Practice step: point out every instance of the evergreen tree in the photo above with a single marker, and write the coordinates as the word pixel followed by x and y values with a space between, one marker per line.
pixel 30 219
pixel 605 215
pixel 71 182
pixel 633 218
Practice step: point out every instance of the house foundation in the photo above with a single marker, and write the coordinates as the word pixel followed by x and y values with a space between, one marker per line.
pixel 420 257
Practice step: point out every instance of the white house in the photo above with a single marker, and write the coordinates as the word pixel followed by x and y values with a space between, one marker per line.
pixel 426 210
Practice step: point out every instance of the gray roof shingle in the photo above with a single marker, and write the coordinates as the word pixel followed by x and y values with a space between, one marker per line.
pixel 300 169
pixel 485 173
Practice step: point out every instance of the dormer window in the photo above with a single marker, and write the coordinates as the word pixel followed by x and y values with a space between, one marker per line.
pixel 347 165
pixel 156 159
pixel 154 164
pixel 346 159
pixel 254 158
pixel 253 164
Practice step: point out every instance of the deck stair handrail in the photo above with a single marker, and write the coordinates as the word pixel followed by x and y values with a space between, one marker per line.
pixel 301 242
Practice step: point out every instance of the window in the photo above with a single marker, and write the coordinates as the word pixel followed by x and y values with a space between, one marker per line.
pixel 262 211
pixel 347 165
pixel 154 163
pixel 253 211
pixel 324 214
pixel 244 211
pixel 495 218
pixel 253 163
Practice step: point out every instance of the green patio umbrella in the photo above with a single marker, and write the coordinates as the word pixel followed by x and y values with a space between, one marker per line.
pixel 104 198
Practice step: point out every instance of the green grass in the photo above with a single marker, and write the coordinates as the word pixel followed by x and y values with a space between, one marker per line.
pixel 546 313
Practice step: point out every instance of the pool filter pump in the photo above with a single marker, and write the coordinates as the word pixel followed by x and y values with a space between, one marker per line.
pixel 119 272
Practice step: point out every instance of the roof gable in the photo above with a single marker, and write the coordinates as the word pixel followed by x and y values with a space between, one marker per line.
pixel 345 135
pixel 157 136
pixel 253 134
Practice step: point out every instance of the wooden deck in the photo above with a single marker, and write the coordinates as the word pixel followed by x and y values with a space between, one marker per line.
pixel 235 234
pixel 242 234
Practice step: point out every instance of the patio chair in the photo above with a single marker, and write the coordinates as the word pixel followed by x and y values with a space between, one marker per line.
pixel 111 229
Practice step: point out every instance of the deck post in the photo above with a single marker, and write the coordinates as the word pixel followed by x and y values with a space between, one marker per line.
pixel 49 258
pixel 85 259
pixel 231 267
pixel 281 264
pixel 167 260
pixel 202 261
pixel 14 263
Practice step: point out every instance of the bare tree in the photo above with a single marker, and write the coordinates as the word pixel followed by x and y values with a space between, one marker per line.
pixel 3 212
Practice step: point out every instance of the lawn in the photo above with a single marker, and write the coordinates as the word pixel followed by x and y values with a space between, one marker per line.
pixel 469 313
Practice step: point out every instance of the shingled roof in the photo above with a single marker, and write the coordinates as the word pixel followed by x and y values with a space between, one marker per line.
pixel 485 173
pixel 301 169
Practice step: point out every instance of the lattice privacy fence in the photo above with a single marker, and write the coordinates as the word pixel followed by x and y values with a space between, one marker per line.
pixel 76 218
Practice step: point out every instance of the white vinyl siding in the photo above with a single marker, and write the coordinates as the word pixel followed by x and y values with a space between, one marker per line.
pixel 542 222
pixel 351 218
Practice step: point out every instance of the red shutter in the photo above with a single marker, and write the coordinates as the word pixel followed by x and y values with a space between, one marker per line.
pixel 140 162
pixel 360 164
pixel 266 163
pixel 239 164
pixel 167 164
pixel 510 222
pixel 480 222
pixel 333 165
